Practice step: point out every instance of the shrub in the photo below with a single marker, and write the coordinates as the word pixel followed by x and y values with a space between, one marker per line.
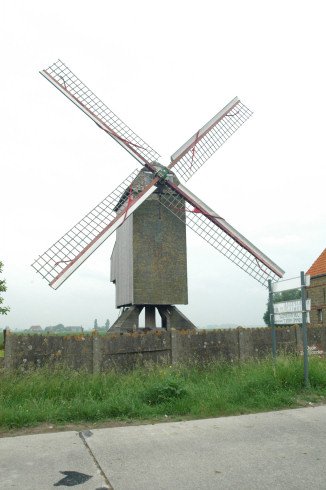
pixel 165 391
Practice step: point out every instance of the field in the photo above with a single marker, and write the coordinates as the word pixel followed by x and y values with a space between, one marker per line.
pixel 62 396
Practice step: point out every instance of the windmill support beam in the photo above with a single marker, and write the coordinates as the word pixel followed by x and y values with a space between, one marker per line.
pixel 128 321
pixel 150 317
pixel 171 317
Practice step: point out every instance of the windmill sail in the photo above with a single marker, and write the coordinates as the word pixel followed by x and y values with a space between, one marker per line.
pixel 201 146
pixel 67 254
pixel 220 234
pixel 73 88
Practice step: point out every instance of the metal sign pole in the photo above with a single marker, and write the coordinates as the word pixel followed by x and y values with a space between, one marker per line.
pixel 304 331
pixel 272 322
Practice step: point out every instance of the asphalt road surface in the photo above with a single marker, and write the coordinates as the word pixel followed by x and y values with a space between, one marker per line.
pixel 274 450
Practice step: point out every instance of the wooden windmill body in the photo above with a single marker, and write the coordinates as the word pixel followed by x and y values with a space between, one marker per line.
pixel 149 262
pixel 149 212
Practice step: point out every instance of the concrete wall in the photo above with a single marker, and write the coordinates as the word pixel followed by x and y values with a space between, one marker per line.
pixel 93 353
pixel 75 351
pixel 125 351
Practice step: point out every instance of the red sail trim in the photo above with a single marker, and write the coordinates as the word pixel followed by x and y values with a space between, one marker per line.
pixel 145 189
pixel 214 220
pixel 100 123
pixel 116 135
pixel 130 199
pixel 63 261
pixel 194 148
pixel 192 145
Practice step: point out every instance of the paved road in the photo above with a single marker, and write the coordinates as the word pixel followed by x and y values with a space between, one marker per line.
pixel 276 450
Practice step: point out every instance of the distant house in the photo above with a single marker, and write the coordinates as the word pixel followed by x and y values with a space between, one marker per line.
pixel 35 328
pixel 62 329
pixel 317 290
pixel 75 329
pixel 55 329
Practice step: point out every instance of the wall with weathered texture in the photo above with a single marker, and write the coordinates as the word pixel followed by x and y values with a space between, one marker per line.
pixel 317 293
pixel 96 353
pixel 149 259
pixel 204 345
pixel 93 353
pixel 316 340
pixel 129 350
pixel 75 351
pixel 159 255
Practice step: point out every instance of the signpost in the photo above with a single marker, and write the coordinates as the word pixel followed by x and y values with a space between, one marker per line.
pixel 304 330
pixel 291 311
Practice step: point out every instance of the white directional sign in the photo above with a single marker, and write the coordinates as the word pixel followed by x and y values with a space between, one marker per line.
pixel 290 312
pixel 292 306
pixel 293 283
pixel 289 318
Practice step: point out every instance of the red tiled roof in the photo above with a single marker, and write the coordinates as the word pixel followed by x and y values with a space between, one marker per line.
pixel 319 266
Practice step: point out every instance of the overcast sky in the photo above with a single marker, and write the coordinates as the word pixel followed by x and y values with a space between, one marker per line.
pixel 165 68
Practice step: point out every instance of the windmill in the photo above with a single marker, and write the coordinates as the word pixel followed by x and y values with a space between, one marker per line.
pixel 149 211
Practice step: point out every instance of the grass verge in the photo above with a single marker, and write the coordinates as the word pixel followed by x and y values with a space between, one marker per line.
pixel 62 396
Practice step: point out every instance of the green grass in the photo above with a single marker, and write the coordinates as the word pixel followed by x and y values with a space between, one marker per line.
pixel 62 396
pixel 2 353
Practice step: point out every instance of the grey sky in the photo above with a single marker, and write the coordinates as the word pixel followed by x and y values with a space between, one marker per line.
pixel 165 68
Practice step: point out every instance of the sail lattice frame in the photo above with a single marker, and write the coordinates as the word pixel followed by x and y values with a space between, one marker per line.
pixel 70 85
pixel 203 144
pixel 65 250
pixel 236 248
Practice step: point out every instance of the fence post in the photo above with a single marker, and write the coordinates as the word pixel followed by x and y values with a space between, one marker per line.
pixel 304 331
pixel 271 310
pixel 8 361
pixel 173 333
pixel 96 353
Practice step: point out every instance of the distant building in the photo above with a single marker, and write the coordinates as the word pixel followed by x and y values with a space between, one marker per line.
pixel 317 290
pixel 35 328
pixel 75 329
pixel 62 329
pixel 55 329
